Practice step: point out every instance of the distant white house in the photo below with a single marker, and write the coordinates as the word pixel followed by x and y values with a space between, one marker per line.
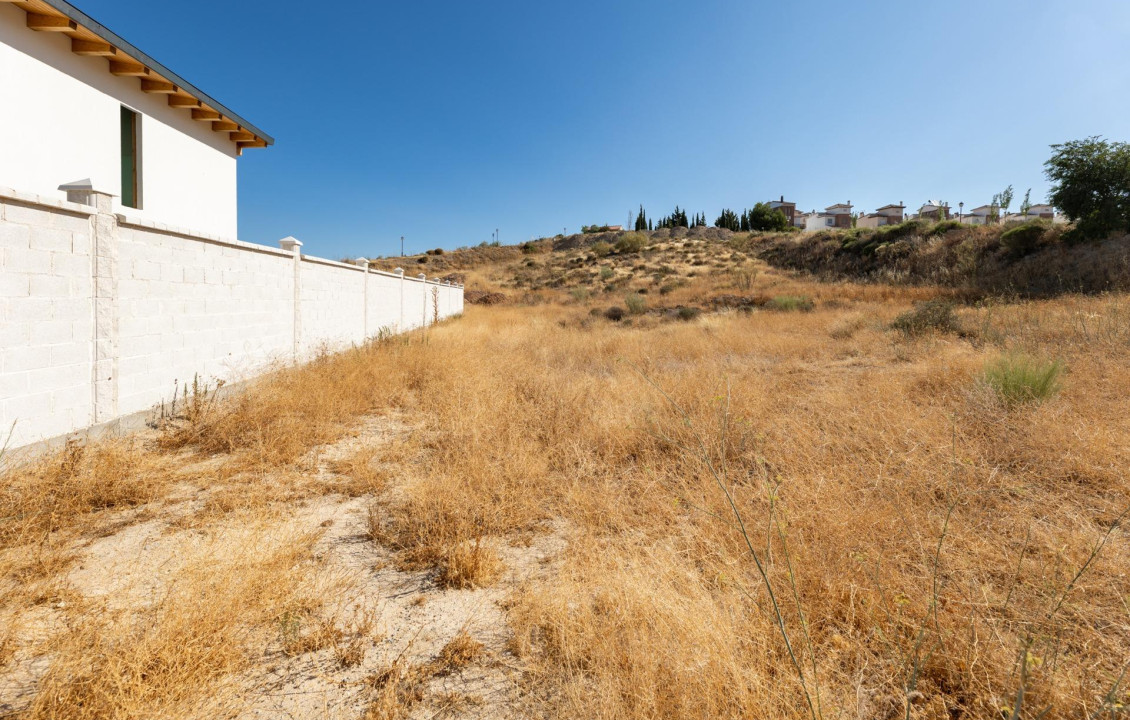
pixel 80 103
pixel 886 215
pixel 1041 211
pixel 933 210
pixel 834 216
pixel 981 215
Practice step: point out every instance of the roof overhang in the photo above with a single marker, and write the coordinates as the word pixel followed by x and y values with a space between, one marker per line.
pixel 88 37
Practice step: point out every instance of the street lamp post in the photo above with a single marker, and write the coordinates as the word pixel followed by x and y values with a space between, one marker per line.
pixel 960 210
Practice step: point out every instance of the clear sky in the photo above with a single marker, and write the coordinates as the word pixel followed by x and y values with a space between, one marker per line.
pixel 441 121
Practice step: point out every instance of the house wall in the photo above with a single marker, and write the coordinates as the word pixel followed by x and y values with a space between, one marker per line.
pixel 102 316
pixel 61 123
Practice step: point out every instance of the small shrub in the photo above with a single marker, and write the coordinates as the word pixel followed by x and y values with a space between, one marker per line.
pixel 423 259
pixel 437 251
pixel 615 314
pixel 631 242
pixel 944 227
pixel 688 313
pixel 606 272
pixel 579 294
pixel 932 315
pixel 790 303
pixel 1023 239
pixel 468 566
pixel 1022 378
pixel 601 249
pixel 528 248
pixel 637 304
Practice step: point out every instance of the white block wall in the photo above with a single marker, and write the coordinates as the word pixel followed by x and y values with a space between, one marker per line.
pixel 182 305
pixel 46 322
pixel 188 308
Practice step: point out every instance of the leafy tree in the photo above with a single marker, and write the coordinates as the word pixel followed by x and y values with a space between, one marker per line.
pixel 1091 185
pixel 763 217
pixel 1026 203
pixel 728 220
pixel 1001 201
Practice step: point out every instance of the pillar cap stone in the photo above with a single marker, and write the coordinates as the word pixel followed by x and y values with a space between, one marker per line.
pixel 290 243
pixel 422 276
pixel 361 262
pixel 83 192
pixel 399 271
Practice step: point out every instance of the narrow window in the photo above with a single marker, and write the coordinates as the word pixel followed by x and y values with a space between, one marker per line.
pixel 129 158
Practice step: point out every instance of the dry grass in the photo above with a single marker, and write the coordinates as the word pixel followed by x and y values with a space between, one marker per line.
pixel 230 599
pixel 773 515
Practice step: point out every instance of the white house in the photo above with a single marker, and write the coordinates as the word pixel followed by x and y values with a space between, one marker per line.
pixel 982 215
pixel 886 215
pixel 934 210
pixel 80 103
pixel 834 216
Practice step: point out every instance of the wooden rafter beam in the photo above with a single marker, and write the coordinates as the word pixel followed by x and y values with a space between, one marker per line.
pixel 204 114
pixel 50 23
pixel 225 126
pixel 157 86
pixel 183 101
pixel 251 144
pixel 92 47
pixel 242 136
pixel 128 68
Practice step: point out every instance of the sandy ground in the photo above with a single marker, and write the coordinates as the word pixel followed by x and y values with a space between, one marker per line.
pixel 406 615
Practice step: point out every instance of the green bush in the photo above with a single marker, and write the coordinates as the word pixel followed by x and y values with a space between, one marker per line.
pixel 944 227
pixel 606 272
pixel 601 249
pixel 1023 239
pixel 790 303
pixel 528 248
pixel 631 242
pixel 580 294
pixel 688 313
pixel 932 315
pixel 637 304
pixel 1022 378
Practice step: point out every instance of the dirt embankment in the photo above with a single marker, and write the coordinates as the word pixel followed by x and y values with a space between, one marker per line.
pixel 976 260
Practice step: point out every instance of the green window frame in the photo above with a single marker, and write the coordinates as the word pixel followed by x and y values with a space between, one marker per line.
pixel 129 158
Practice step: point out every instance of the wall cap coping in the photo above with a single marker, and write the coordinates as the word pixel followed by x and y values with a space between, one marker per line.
pixel 127 221
pixel 7 193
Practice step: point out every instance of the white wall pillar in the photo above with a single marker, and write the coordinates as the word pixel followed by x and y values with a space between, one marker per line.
pixel 424 283
pixel 104 276
pixel 400 321
pixel 294 245
pixel 363 263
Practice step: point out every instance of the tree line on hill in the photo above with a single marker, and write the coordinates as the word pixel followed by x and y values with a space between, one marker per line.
pixel 761 217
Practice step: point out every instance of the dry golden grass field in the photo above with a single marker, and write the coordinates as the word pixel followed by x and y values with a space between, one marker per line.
pixel 788 510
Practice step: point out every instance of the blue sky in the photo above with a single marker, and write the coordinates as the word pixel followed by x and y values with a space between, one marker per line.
pixel 441 121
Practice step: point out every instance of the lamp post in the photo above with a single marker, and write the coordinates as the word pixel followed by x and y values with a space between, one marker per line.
pixel 401 246
pixel 960 211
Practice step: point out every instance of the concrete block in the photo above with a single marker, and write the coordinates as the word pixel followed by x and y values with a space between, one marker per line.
pixel 50 238
pixel 50 332
pixel 27 215
pixel 70 264
pixel 15 284
pixel 52 286
pixel 14 236
pixel 27 261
